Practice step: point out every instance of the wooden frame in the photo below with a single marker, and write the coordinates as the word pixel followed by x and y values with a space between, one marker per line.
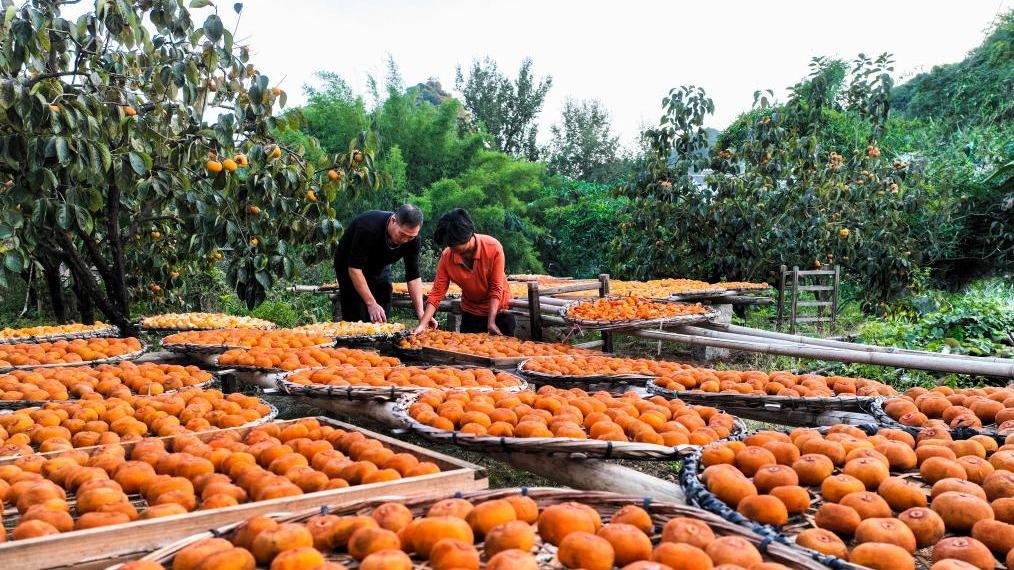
pixel 791 279
pixel 99 547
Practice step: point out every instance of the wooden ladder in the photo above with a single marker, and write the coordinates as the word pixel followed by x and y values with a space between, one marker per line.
pixel 822 284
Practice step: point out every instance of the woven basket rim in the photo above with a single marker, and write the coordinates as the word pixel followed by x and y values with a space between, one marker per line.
pixel 387 393
pixel 876 409
pixel 107 331
pixel 708 315
pixel 604 503
pixel 183 348
pixel 590 378
pixel 550 445
pixel 21 404
pixel 108 360
pixel 720 396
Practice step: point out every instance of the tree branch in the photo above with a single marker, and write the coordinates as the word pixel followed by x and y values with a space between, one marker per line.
pixel 46 76
pixel 95 254
pixel 86 279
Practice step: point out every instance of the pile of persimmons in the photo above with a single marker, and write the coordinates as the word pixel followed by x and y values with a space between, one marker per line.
pixel 65 351
pixel 496 534
pixel 406 377
pixel 574 413
pixel 86 489
pixel 874 500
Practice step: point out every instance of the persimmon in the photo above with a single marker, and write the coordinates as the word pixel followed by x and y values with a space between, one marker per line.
pixel 585 550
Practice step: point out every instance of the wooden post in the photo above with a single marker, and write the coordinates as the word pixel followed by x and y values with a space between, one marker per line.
pixel 607 338
pixel 834 299
pixel 454 317
pixel 535 311
pixel 794 299
pixel 781 298
pixel 336 307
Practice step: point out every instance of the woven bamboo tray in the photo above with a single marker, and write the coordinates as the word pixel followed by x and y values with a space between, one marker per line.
pixel 377 393
pixel 266 418
pixel 784 410
pixel 214 349
pixel 21 404
pixel 436 355
pixel 699 495
pixel 100 547
pixel 704 294
pixel 707 315
pixel 172 330
pixel 606 504
pixel 559 380
pixel 109 331
pixel 110 360
pixel 370 340
pixel 576 448
pixel 876 409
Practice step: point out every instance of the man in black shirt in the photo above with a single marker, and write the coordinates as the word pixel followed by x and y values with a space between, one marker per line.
pixel 371 243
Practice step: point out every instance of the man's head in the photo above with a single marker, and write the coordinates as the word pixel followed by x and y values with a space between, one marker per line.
pixel 405 224
pixel 454 230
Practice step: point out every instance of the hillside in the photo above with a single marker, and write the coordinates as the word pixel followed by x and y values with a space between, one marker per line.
pixel 976 90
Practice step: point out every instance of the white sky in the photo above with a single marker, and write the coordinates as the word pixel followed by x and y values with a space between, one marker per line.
pixel 627 54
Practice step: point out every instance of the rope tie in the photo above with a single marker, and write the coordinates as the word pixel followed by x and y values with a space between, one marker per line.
pixel 324 510
pixel 763 546
pixel 609 449
pixel 216 533
pixel 524 491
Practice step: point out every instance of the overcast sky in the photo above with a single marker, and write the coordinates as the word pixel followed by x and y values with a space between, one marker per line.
pixel 627 54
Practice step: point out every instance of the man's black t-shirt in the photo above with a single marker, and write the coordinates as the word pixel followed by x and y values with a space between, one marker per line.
pixel 364 246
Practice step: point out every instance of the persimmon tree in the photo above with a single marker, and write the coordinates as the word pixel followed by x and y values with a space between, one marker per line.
pixel 782 194
pixel 137 147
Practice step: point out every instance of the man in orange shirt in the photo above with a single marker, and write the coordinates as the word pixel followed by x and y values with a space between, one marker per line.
pixel 475 262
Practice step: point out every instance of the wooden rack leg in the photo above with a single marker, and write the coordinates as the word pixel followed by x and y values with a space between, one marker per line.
pixel 607 338
pixel 534 311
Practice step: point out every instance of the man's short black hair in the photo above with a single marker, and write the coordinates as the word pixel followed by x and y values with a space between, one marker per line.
pixel 454 228
pixel 409 215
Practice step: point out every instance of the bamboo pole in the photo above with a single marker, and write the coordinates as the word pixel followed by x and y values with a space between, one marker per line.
pixel 697 331
pixel 850 345
pixel 830 353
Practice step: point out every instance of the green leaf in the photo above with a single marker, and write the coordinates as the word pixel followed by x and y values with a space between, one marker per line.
pixel 84 219
pixel 63 151
pixel 6 232
pixel 12 261
pixel 264 278
pixel 213 28
pixel 238 7
pixel 63 216
pixel 199 3
pixel 138 163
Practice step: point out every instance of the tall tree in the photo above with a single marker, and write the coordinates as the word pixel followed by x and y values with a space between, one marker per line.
pixel 136 146
pixel 583 146
pixel 506 109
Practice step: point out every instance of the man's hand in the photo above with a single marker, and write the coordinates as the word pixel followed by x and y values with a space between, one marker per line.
pixel 423 327
pixel 377 314
pixel 493 329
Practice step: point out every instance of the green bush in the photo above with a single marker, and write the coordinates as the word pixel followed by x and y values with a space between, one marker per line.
pixel 580 221
pixel 497 191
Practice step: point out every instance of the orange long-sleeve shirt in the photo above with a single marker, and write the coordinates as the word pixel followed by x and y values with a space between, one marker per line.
pixel 485 281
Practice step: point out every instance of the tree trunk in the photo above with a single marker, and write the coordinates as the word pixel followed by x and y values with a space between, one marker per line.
pixel 51 272
pixel 85 305
pixel 85 279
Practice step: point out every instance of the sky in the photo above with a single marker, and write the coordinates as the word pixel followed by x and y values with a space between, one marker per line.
pixel 626 54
